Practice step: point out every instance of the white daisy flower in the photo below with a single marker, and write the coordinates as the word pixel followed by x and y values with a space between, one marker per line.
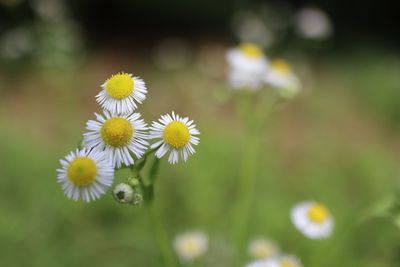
pixel 277 261
pixel 85 175
pixel 118 136
pixel 247 66
pixel 288 261
pixel 264 263
pixel 262 248
pixel 312 219
pixel 239 79
pixel 281 77
pixel 177 134
pixel 121 93
pixel 123 193
pixel 191 245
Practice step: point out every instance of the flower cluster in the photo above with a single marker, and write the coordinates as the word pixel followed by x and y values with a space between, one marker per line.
pixel 119 137
pixel 311 218
pixel 192 245
pixel 250 69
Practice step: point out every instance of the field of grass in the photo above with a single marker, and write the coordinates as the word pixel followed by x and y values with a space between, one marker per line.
pixel 337 143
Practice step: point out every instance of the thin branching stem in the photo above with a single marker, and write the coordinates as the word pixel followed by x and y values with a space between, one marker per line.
pixel 160 233
pixel 254 119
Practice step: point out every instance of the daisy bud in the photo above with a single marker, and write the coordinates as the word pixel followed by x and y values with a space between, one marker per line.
pixel 133 182
pixel 123 193
pixel 137 197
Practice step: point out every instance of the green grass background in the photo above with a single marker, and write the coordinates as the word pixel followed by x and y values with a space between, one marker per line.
pixel 337 143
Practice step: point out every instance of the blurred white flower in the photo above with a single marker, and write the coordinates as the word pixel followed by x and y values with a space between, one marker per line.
pixel 281 77
pixel 85 175
pixel 121 93
pixel 177 135
pixel 313 23
pixel 247 66
pixel 262 248
pixel 250 27
pixel 191 245
pixel 288 261
pixel 264 263
pixel 312 219
pixel 119 136
pixel 277 261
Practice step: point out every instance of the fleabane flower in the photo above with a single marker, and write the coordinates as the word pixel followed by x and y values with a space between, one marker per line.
pixel 288 261
pixel 312 219
pixel 191 245
pixel 277 261
pixel 261 248
pixel 121 93
pixel 281 76
pixel 177 135
pixel 118 136
pixel 247 66
pixel 264 263
pixel 85 175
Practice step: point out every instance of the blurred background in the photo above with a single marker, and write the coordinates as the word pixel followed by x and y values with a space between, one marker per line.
pixel 337 143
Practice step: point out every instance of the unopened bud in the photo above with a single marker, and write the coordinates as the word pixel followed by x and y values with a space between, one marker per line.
pixel 133 182
pixel 137 198
pixel 123 193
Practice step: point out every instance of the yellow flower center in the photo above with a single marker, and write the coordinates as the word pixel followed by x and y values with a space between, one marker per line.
pixel 281 66
pixel 190 247
pixel 117 132
pixel 287 263
pixel 82 171
pixel 120 85
pixel 176 134
pixel 263 251
pixel 251 50
pixel 318 213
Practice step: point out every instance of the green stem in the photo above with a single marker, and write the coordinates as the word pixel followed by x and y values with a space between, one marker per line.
pixel 246 185
pixel 159 230
pixel 254 123
pixel 161 236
